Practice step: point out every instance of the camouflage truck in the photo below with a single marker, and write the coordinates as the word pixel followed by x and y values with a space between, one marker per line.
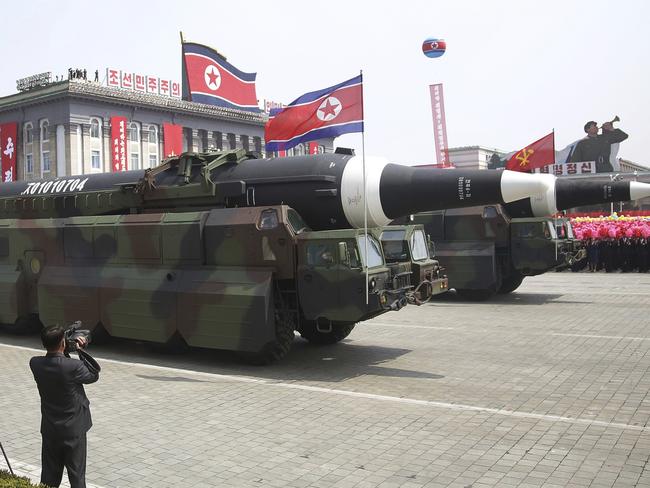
pixel 235 279
pixel 485 252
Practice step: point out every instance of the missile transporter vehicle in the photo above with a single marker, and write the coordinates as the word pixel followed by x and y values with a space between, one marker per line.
pixel 484 251
pixel 193 251
pixel 240 279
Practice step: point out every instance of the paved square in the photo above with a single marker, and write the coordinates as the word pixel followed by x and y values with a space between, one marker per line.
pixel 545 387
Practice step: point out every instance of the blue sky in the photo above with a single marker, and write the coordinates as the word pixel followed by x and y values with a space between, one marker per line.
pixel 513 70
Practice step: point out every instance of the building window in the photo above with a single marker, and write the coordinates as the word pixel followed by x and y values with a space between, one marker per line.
pixel 94 128
pixel 135 161
pixel 29 133
pixel 44 130
pixel 299 150
pixel 133 135
pixel 232 142
pixel 153 160
pixel 218 140
pixel 244 142
pixel 153 134
pixel 95 160
pixel 29 164
pixel 45 161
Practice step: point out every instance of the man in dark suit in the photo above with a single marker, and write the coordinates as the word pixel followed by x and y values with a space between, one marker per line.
pixel 64 408
pixel 598 147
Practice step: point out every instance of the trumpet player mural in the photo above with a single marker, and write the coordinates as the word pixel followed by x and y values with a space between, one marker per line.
pixel 595 149
pixel 598 147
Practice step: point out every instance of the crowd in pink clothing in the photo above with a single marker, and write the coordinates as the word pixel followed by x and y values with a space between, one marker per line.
pixel 615 242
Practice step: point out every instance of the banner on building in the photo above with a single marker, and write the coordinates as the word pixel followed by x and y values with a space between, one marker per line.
pixel 439 124
pixel 8 147
pixel 118 144
pixel 173 140
pixel 568 168
pixel 313 148
pixel 139 82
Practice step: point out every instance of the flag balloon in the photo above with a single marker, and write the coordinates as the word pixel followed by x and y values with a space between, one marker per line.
pixel 434 48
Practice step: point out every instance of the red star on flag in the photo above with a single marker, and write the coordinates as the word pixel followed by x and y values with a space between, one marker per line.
pixel 328 109
pixel 213 76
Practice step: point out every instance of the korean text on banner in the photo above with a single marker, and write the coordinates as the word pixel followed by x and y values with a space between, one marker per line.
pixel 439 124
pixel 118 144
pixel 9 147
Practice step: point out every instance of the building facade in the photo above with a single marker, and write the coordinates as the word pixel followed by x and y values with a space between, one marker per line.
pixel 64 128
pixel 472 157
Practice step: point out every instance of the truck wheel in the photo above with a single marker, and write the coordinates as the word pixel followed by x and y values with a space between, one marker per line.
pixel 25 324
pixel 511 283
pixel 475 295
pixel 280 347
pixel 339 332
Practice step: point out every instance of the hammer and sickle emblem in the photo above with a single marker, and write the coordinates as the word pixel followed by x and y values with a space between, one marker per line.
pixel 523 156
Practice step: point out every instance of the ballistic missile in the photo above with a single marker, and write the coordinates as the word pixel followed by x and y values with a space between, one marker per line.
pixel 327 190
pixel 566 193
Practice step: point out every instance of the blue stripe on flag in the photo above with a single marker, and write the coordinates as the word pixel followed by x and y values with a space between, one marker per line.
pixel 190 47
pixel 321 133
pixel 315 95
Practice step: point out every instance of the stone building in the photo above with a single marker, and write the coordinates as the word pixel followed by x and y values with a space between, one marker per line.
pixel 63 128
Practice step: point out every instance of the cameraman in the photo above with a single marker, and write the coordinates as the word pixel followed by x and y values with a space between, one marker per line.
pixel 64 407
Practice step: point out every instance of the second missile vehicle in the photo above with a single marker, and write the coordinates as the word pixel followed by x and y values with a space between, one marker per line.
pixel 223 250
pixel 491 249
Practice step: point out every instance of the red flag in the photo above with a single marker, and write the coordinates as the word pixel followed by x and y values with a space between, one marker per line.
pixel 535 155
pixel 173 135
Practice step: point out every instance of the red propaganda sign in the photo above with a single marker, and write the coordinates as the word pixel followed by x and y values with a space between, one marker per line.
pixel 8 149
pixel 118 144
pixel 313 148
pixel 173 135
pixel 439 124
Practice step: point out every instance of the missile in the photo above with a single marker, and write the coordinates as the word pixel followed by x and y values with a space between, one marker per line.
pixel 565 193
pixel 327 190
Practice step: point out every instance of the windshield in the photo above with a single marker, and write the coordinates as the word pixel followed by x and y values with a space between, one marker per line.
pixel 375 257
pixel 296 221
pixel 569 230
pixel 419 249
pixel 394 244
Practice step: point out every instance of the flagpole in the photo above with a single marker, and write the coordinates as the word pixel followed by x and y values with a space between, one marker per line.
pixel 365 202
pixel 555 216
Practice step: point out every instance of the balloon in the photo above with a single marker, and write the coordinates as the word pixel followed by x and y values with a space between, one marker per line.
pixel 434 48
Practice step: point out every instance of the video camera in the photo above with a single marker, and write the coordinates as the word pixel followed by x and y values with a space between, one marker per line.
pixel 74 332
pixel 70 335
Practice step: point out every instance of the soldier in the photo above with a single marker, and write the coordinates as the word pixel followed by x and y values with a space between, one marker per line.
pixel 597 147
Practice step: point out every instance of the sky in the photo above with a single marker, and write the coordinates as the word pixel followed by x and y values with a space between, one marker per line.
pixel 513 70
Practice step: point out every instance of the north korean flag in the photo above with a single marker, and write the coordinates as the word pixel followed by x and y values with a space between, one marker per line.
pixel 324 113
pixel 211 79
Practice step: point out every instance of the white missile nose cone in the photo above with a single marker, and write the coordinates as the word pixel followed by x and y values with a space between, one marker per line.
pixel 516 186
pixel 639 190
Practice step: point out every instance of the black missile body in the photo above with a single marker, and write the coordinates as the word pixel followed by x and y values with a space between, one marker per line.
pixel 326 190
pixel 565 193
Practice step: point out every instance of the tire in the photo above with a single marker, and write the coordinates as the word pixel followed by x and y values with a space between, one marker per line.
pixel 475 295
pixel 100 335
pixel 26 324
pixel 340 331
pixel 280 347
pixel 511 283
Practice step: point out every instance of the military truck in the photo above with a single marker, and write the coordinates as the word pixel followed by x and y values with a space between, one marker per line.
pixel 235 279
pixel 485 252
pixel 409 254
